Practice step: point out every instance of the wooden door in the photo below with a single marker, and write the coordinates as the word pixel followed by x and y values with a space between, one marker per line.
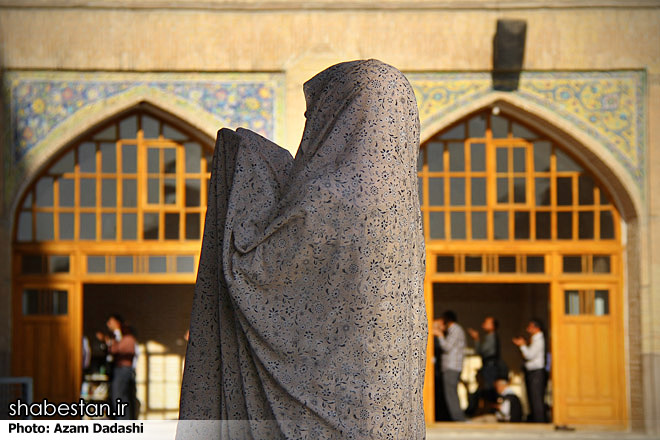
pixel 588 355
pixel 47 339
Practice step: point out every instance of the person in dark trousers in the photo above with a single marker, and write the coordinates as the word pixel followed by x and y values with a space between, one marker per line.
pixel 450 341
pixel 535 373
pixel 122 349
pixel 488 348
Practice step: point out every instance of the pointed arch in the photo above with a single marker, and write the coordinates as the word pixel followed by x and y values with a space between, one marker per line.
pixel 598 159
pixel 90 118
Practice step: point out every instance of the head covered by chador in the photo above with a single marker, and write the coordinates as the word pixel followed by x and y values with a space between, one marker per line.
pixel 308 319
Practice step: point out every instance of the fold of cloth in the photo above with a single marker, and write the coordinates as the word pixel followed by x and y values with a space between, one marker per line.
pixel 308 319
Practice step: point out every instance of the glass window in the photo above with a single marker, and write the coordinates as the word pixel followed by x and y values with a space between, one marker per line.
pixel 585 190
pixel 150 226
pixel 478 157
pixel 108 158
pixel 192 226
pixel 521 224
pixel 172 133
pixel 32 264
pixel 499 126
pixel 59 263
pixel 601 264
pixel 109 193
pixel 87 192
pixel 87 157
pixel 478 191
pixel 519 131
pixel 506 264
pixel 586 225
pixel 87 226
pixel 542 154
pixel 150 127
pixel 456 132
pixel 129 159
pixel 565 225
pixel 185 264
pixel 44 192
pixel 129 226
pixel 96 264
pixel 572 264
pixel 477 126
pixel 565 163
pixel 45 302
pixel 157 264
pixel 473 263
pixel 445 263
pixel 129 193
pixel 172 226
pixel 458 225
pixel 193 192
pixel 64 165
pixel 519 165
pixel 108 226
pixel 601 302
pixel 457 191
pixel 501 225
pixel 435 156
pixel 572 302
pixel 193 157
pixel 24 232
pixel 436 191
pixel 479 225
pixel 45 226
pixel 535 264
pixel 543 226
pixel 456 156
pixel 67 220
pixel 107 134
pixel 124 264
pixel 67 192
pixel 564 191
pixel 128 128
pixel 437 225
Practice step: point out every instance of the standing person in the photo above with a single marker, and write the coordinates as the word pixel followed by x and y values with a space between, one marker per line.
pixel 122 349
pixel 535 374
pixel 450 339
pixel 488 348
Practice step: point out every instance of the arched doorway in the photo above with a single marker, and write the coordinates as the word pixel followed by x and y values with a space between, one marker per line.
pixel 506 206
pixel 117 212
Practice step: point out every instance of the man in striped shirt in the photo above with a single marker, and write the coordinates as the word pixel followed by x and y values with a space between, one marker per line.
pixel 449 339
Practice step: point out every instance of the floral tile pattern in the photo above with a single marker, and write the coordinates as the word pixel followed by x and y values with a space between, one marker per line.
pixel 608 106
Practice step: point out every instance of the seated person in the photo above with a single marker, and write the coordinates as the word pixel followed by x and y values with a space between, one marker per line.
pixel 507 408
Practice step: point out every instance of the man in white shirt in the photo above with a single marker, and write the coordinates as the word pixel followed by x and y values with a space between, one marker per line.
pixel 450 341
pixel 535 374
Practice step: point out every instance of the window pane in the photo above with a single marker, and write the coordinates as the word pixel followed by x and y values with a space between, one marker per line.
pixel 129 158
pixel 457 191
pixel 586 225
pixel 27 204
pixel 436 191
pixel 45 226
pixel 478 157
pixel 542 151
pixel 87 192
pixel 87 157
pixel 572 302
pixel 170 191
pixel 153 190
pixel 31 264
pixel 153 160
pixel 501 225
pixel 95 264
pixel 479 225
pixel 59 263
pixel 45 192
pixel 502 159
pixel 149 127
pixel 87 226
pixel 108 226
pixel 420 160
pixel 171 133
pixel 193 157
pixel 543 225
pixel 129 226
pixel 521 225
pixel 458 225
pixel 606 225
pixel 108 158
pixel 506 264
pixel 499 126
pixel 66 225
pixel 128 128
pixel 457 132
pixel 601 264
pixel 24 226
pixel 185 264
pixel 129 193
pixel 519 190
pixel 535 264
pixel 502 190
pixel 434 156
pixel 150 226
pixel 473 264
pixel 157 264
pixel 478 191
pixel 124 264
pixel 45 302
pixel 585 190
pixel 445 263
pixel 437 225
pixel 565 163
pixel 564 225
pixel 601 302
pixel 456 156
pixel 519 160
pixel 171 226
pixel 67 192
pixel 520 131
pixel 108 193
pixel 192 226
pixel 564 191
pixel 169 158
pixel 193 192
pixel 477 126
pixel 542 191
pixel 108 134
pixel 64 165
pixel 572 264
pixel 420 190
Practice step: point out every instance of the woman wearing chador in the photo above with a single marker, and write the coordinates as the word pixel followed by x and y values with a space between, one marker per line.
pixel 308 319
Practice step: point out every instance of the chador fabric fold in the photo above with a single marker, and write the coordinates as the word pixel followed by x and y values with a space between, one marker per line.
pixel 308 318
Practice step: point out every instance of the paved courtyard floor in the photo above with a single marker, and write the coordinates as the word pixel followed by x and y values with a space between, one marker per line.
pixel 466 431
